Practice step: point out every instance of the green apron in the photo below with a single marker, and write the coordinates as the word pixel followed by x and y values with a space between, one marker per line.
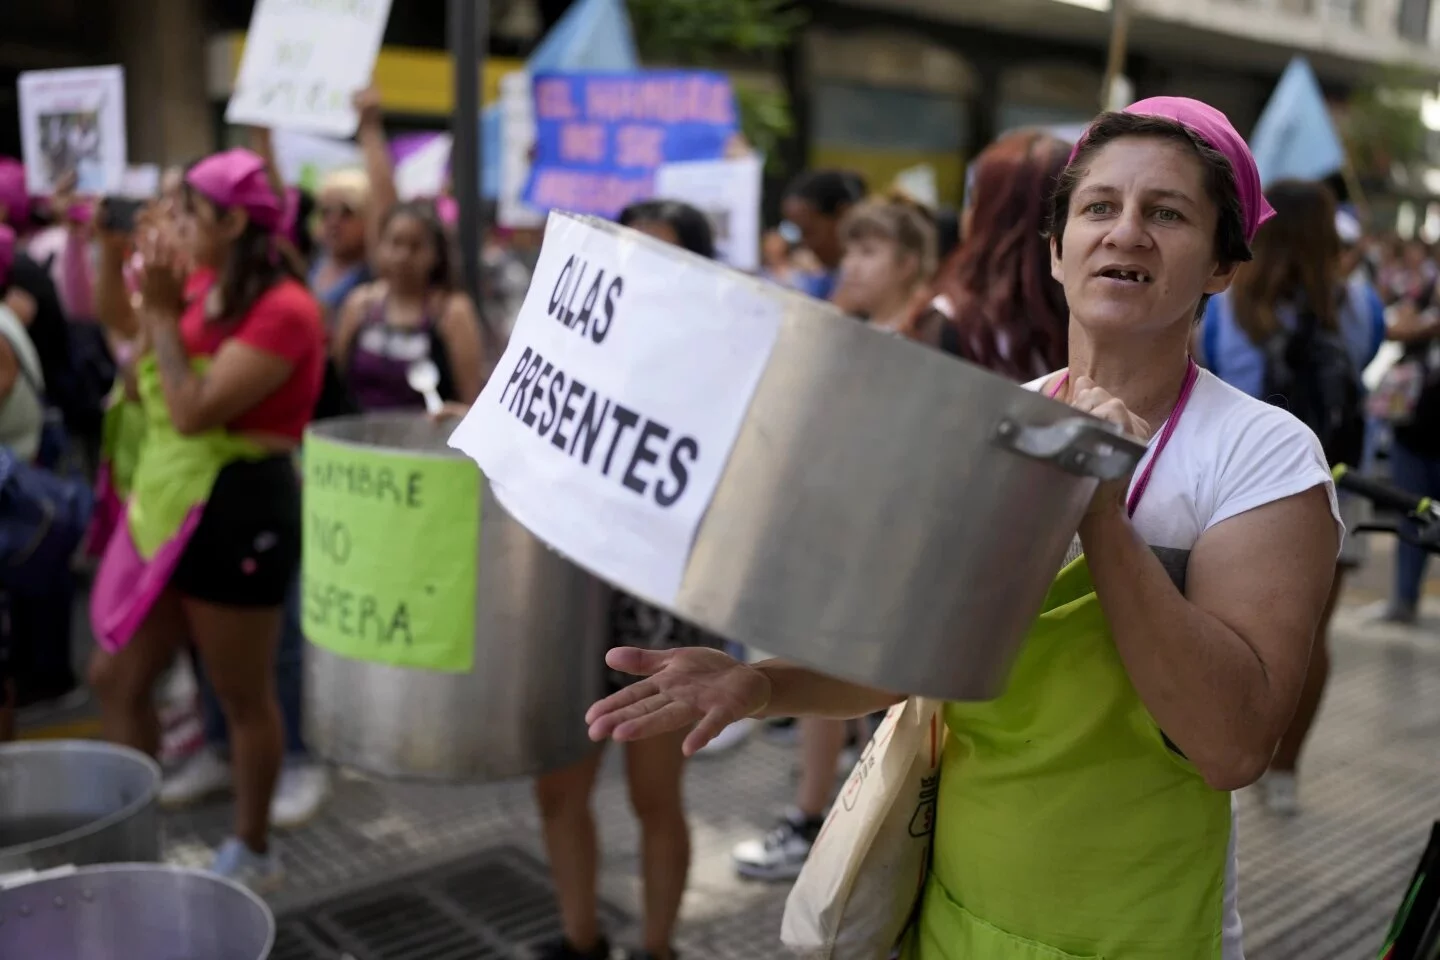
pixel 1066 825
pixel 174 473
pixel 122 434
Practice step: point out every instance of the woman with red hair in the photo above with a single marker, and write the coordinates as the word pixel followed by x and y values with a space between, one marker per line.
pixel 995 302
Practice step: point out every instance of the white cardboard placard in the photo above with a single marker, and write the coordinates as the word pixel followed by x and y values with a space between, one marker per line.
pixel 608 422
pixel 304 62
pixel 517 139
pixel 73 120
pixel 728 192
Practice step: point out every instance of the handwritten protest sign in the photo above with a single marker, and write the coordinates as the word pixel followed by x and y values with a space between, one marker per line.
pixel 73 121
pixel 608 422
pixel 389 555
pixel 304 61
pixel 599 137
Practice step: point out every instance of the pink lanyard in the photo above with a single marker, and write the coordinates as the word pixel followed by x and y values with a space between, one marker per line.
pixel 1192 373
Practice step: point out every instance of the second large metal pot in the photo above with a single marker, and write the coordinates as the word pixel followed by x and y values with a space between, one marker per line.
pixel 540 631
pixel 76 802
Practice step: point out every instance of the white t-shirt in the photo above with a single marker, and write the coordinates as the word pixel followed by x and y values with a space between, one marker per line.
pixel 1229 454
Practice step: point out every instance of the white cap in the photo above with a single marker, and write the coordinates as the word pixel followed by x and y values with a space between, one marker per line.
pixel 1348 226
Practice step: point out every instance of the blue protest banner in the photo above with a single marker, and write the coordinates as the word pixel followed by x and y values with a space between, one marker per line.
pixel 599 137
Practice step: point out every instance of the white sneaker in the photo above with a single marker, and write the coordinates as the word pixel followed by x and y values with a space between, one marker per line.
pixel 779 854
pixel 729 738
pixel 1282 795
pixel 203 775
pixel 261 872
pixel 299 795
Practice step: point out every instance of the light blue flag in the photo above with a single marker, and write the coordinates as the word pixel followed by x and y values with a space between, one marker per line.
pixel 592 35
pixel 1295 137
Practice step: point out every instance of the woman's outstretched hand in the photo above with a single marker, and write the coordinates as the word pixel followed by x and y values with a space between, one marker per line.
pixel 691 686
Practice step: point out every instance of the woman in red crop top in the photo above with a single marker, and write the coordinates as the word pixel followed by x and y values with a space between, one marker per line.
pixel 212 539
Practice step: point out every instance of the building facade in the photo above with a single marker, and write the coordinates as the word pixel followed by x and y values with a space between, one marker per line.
pixel 877 85
pixel 883 84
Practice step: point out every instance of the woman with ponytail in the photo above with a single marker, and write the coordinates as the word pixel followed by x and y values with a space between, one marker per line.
pixel 231 361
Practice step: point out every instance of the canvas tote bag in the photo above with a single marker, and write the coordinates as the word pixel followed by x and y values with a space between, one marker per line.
pixel 859 887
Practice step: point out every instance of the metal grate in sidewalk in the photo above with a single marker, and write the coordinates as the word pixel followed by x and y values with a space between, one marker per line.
pixel 491 906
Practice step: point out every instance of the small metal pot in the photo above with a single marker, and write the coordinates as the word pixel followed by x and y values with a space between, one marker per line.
pixel 76 802
pixel 133 910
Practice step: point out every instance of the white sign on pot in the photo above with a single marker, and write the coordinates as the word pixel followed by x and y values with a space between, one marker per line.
pixel 608 422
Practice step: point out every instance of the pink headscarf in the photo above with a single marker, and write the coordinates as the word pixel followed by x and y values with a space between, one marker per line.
pixel 13 194
pixel 7 254
pixel 1215 129
pixel 237 178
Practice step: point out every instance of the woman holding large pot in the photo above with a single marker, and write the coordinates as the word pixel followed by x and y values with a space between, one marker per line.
pixel 1086 812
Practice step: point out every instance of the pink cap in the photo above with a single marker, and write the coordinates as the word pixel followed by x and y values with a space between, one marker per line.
pixel 447 209
pixel 13 195
pixel 7 253
pixel 1214 128
pixel 237 178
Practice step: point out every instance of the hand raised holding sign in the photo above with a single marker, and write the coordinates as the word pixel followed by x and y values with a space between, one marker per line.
pixel 367 105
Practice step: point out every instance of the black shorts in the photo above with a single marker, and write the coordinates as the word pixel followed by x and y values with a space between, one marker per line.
pixel 246 549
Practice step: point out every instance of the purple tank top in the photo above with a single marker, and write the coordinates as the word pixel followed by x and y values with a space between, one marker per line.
pixel 380 360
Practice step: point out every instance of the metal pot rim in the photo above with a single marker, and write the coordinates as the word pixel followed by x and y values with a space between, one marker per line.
pixel 101 869
pixel 94 826
pixel 331 431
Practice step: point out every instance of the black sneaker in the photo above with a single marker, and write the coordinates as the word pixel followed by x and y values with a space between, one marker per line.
pixel 781 853
pixel 647 955
pixel 562 950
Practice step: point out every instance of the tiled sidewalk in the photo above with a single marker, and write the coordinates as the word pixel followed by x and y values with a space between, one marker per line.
pixel 1319 887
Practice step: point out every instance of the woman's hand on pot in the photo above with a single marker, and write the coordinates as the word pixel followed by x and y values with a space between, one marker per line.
pixel 1088 397
pixel 691 686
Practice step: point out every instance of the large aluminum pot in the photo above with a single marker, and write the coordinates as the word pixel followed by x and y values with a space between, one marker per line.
pixel 133 911
pixel 888 514
pixel 540 633
pixel 76 802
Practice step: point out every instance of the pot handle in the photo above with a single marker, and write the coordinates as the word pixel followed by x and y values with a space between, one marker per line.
pixel 1083 446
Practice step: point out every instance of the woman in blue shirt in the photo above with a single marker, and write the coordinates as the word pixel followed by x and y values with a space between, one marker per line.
pixel 1298 262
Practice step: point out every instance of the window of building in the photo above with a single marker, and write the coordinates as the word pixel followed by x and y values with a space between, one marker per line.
pixel 1414 24
pixel 1343 11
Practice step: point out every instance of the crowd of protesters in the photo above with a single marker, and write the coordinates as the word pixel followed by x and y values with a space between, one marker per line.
pixel 173 357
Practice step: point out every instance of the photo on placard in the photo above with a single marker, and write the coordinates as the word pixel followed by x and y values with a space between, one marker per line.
pixel 70 143
pixel 73 122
